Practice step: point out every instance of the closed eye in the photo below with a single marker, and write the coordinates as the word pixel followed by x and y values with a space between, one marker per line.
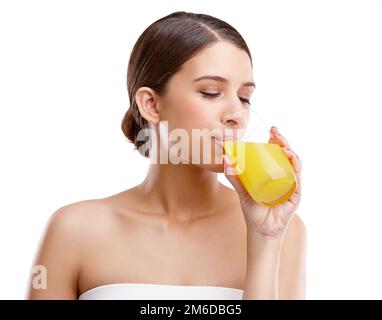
pixel 217 94
pixel 209 94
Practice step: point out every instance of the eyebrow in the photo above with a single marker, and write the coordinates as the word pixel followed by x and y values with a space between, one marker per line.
pixel 221 79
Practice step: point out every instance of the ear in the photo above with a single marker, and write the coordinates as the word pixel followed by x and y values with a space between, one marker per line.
pixel 147 102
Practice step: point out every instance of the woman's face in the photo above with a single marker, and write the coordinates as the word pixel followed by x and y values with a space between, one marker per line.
pixel 208 88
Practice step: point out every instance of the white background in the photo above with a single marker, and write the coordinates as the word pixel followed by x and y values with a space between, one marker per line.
pixel 318 70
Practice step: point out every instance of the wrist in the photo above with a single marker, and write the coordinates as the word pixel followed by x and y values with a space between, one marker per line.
pixel 263 264
pixel 264 238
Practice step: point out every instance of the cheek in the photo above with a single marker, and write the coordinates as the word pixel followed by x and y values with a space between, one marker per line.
pixel 194 115
pixel 199 114
pixel 190 112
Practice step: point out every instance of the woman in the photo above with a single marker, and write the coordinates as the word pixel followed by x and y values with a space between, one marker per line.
pixel 180 233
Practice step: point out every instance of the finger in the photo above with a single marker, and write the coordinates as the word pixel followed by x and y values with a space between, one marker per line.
pixel 232 177
pixel 219 142
pixel 293 158
pixel 294 199
pixel 220 147
pixel 296 195
pixel 276 137
pixel 297 166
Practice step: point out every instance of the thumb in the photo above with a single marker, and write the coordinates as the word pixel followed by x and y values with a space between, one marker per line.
pixel 232 176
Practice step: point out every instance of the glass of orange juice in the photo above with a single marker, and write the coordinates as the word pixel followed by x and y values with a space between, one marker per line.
pixel 262 167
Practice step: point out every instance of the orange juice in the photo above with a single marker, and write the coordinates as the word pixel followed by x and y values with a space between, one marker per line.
pixel 263 169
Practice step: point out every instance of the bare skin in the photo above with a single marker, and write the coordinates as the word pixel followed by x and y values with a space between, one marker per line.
pixel 180 226
pixel 98 242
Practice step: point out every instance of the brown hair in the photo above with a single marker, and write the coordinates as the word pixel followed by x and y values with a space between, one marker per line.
pixel 161 50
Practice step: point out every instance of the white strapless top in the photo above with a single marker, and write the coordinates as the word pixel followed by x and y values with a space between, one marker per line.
pixel 145 291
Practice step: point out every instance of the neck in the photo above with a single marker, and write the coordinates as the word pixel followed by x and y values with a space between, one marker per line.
pixel 182 192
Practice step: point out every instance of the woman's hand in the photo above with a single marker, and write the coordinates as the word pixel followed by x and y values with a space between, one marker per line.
pixel 268 221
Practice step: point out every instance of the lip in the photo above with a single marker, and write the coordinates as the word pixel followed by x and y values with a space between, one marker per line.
pixel 227 138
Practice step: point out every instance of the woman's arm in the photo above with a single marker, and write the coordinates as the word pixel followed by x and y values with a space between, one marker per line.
pixel 263 260
pixel 275 237
pixel 55 270
pixel 276 266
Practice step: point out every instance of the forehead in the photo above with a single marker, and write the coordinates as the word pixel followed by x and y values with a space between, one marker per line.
pixel 221 58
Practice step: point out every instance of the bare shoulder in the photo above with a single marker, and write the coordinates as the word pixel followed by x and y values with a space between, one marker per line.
pixel 69 230
pixel 292 272
pixel 294 242
pixel 296 229
pixel 92 219
pixel 78 217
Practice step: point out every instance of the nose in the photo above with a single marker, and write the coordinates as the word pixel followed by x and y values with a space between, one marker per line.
pixel 235 124
pixel 237 120
pixel 234 112
pixel 231 123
